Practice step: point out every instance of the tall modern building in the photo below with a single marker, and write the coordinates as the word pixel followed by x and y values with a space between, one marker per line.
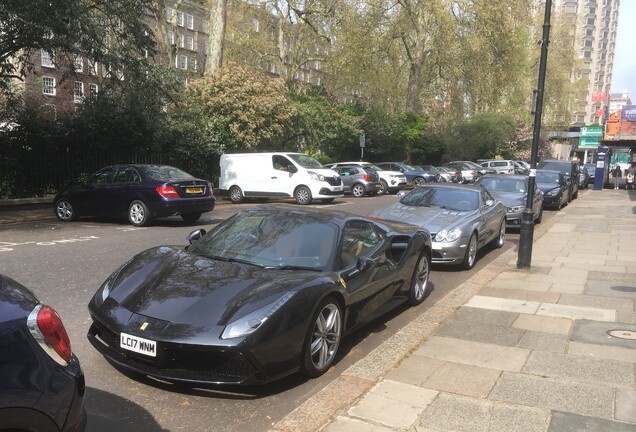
pixel 593 24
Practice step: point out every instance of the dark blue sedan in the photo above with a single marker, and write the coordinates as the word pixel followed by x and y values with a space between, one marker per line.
pixel 141 192
pixel 41 382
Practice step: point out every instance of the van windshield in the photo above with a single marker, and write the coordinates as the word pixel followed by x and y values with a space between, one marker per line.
pixel 305 161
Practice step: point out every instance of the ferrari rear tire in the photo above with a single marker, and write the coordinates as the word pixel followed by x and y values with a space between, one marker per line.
pixel 470 258
pixel 138 214
pixel 64 210
pixel 323 338
pixel 419 281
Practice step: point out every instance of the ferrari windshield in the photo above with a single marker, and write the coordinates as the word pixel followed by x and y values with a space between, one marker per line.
pixel 450 198
pixel 271 239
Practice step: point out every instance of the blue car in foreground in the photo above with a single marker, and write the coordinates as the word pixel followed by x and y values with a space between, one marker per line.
pixel 41 381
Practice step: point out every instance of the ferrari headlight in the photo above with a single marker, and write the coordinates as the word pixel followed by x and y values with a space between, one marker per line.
pixel 448 235
pixel 316 176
pixel 252 321
pixel 516 209
pixel 104 291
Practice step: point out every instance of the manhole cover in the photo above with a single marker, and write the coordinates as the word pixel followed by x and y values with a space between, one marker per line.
pixel 622 334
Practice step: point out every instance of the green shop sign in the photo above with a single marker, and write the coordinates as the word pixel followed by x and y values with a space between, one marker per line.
pixel 591 136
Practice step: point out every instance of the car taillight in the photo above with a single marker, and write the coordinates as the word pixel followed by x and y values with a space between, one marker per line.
pixel 46 327
pixel 209 189
pixel 473 173
pixel 167 192
pixel 367 177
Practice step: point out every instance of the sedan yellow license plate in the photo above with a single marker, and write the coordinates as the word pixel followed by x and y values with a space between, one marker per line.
pixel 194 190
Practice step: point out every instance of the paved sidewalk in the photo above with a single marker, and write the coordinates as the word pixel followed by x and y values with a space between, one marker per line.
pixel 552 348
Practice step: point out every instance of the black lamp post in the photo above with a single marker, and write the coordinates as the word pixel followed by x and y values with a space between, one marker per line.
pixel 527 219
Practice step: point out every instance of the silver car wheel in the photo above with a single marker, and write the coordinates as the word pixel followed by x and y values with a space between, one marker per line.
pixel 357 190
pixel 326 337
pixel 418 181
pixel 64 210
pixel 471 252
pixel 137 213
pixel 303 195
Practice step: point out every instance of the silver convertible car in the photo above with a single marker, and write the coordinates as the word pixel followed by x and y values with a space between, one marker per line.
pixel 461 219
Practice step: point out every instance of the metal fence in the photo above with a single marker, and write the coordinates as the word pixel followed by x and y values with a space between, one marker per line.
pixel 29 175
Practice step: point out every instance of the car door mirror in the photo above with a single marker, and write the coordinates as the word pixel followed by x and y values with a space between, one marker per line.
pixel 363 264
pixel 195 236
pixel 489 203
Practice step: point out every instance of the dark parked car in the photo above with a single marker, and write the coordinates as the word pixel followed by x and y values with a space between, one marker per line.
pixel 359 180
pixel 461 219
pixel 512 190
pixel 268 292
pixel 415 176
pixel 436 175
pixel 570 170
pixel 140 192
pixel 584 177
pixel 555 188
pixel 41 382
pixel 591 170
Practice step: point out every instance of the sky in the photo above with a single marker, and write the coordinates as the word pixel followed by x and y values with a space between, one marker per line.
pixel 624 74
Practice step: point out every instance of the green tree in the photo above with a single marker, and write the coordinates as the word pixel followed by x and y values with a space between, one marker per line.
pixel 482 136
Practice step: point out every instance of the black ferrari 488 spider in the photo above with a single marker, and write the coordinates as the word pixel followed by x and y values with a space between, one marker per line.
pixel 268 292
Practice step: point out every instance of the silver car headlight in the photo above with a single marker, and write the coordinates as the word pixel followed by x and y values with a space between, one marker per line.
pixel 316 176
pixel 516 209
pixel 552 193
pixel 252 321
pixel 448 235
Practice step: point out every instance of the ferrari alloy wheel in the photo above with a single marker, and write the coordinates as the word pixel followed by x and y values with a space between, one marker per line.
pixel 64 210
pixel 419 282
pixel 357 190
pixel 323 338
pixel 138 214
pixel 303 195
pixel 501 239
pixel 236 196
pixel 471 253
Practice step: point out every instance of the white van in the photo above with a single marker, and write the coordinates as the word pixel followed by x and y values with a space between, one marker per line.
pixel 275 175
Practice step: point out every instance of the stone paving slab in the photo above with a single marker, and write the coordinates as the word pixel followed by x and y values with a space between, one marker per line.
pixel 544 324
pixel 621 289
pixel 346 424
pixel 576 368
pixel 602 351
pixel 543 341
pixel 536 296
pixel 625 405
pixel 575 397
pixel 567 288
pixel 462 414
pixel 393 404
pixel 463 379
pixel 627 317
pixel 576 312
pixel 543 286
pixel 415 370
pixel 503 304
pixel 482 325
pixel 491 356
pixel 594 332
pixel 566 422
pixel 619 304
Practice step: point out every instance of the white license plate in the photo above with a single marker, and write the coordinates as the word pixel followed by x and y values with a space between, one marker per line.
pixel 139 345
pixel 437 246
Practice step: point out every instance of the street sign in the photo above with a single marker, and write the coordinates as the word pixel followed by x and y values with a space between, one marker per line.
pixel 362 139
pixel 591 136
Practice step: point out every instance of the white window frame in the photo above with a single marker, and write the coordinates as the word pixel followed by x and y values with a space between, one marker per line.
pixel 194 63
pixel 78 92
pixel 190 43
pixel 190 21
pixel 183 62
pixel 93 67
pixel 170 37
pixel 47 59
pixel 51 87
pixel 181 41
pixel 79 63
pixel 180 19
pixel 169 14
pixel 93 89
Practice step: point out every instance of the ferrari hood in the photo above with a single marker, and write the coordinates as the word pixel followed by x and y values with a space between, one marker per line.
pixel 173 285
pixel 434 219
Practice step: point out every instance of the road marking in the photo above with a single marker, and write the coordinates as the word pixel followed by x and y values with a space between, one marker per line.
pixel 8 247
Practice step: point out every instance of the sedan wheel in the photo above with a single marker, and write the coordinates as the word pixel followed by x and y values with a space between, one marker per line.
pixel 323 338
pixel 190 217
pixel 501 240
pixel 64 210
pixel 303 195
pixel 385 187
pixel 357 190
pixel 471 253
pixel 419 282
pixel 138 214
pixel 418 181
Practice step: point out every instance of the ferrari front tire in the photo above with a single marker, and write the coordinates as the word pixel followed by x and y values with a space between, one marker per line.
pixel 323 338
pixel 419 281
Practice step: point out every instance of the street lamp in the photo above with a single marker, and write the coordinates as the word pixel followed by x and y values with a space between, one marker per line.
pixel 527 219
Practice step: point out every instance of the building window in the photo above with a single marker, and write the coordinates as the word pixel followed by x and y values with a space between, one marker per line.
pixel 47 59
pixel 48 86
pixel 181 41
pixel 194 63
pixel 180 19
pixel 169 14
pixel 92 67
pixel 183 62
pixel 170 37
pixel 78 92
pixel 190 21
pixel 92 90
pixel 79 63
pixel 190 43
pixel 255 25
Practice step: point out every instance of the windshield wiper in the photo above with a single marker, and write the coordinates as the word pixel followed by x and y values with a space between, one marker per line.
pixel 294 267
pixel 226 259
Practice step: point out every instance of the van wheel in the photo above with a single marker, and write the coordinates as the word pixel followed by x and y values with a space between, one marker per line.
pixel 236 195
pixel 303 195
pixel 357 190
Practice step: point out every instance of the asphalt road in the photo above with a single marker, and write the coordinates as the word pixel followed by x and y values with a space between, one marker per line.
pixel 65 263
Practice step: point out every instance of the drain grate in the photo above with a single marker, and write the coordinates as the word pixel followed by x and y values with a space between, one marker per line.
pixel 622 334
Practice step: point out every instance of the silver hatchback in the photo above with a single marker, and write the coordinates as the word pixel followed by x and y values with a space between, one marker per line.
pixel 359 180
